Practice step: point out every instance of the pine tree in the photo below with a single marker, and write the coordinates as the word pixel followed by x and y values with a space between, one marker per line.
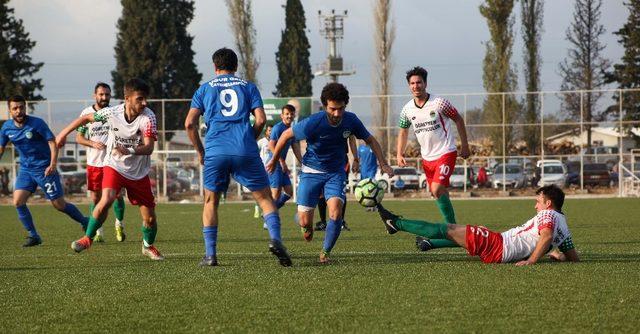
pixel 292 58
pixel 153 44
pixel 584 67
pixel 241 24
pixel 498 73
pixel 16 66
pixel 627 73
pixel 532 14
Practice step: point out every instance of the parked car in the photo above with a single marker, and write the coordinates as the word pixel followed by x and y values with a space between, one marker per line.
pixel 513 176
pixel 601 154
pixel 593 174
pixel 553 174
pixel 67 164
pixel 457 179
pixel 404 178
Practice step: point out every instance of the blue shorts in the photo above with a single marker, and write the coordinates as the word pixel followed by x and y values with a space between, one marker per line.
pixel 30 180
pixel 279 179
pixel 248 171
pixel 313 185
pixel 368 174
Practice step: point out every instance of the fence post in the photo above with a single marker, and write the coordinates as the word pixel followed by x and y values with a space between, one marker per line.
pixel 580 141
pixel 621 145
pixel 504 145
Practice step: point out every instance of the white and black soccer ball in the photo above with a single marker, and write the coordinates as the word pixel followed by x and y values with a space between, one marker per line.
pixel 369 193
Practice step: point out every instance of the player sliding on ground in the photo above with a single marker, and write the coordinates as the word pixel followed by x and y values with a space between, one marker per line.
pixel 525 244
pixel 132 133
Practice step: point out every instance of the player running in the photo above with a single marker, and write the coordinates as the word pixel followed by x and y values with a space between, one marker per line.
pixel 322 170
pixel 94 136
pixel 132 135
pixel 432 118
pixel 38 160
pixel 265 156
pixel 525 244
pixel 281 189
pixel 226 102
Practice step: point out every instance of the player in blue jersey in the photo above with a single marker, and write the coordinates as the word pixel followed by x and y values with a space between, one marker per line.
pixel 281 189
pixel 368 165
pixel 230 149
pixel 323 164
pixel 38 157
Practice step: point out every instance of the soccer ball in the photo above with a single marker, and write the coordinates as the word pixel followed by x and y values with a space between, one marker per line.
pixel 369 193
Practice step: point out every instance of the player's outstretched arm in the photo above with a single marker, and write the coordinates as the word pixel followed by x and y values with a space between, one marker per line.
pixel 462 132
pixel 377 150
pixel 546 235
pixel 403 133
pixel 191 125
pixel 61 138
pixel 282 141
pixel 261 120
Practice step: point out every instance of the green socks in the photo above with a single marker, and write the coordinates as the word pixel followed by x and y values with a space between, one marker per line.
pixel 445 207
pixel 423 228
pixel 118 208
pixel 149 234
pixel 92 226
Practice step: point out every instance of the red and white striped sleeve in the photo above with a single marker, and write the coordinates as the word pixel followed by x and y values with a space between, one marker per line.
pixel 447 109
pixel 545 220
pixel 149 128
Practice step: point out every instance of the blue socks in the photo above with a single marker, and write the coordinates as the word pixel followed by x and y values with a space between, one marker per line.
pixel 273 225
pixel 210 234
pixel 284 197
pixel 27 221
pixel 75 214
pixel 332 233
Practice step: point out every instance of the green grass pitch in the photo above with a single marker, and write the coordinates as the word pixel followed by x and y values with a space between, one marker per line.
pixel 377 282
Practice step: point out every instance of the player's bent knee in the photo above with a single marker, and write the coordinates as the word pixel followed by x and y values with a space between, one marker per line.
pixel 59 203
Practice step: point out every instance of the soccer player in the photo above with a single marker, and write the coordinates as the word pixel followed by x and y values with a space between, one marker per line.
pixel 525 244
pixel 132 135
pixel 265 156
pixel 38 157
pixel 230 149
pixel 94 136
pixel 323 164
pixel 281 189
pixel 432 118
pixel 368 165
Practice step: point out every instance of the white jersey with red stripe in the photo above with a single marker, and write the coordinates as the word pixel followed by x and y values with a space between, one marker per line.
pixel 519 242
pixel 433 125
pixel 128 135
pixel 95 131
pixel 263 146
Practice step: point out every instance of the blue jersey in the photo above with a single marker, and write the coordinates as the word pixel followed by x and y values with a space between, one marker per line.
pixel 368 161
pixel 31 141
pixel 327 145
pixel 276 132
pixel 226 103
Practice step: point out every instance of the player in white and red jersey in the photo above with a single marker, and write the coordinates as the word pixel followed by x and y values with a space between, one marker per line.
pixel 433 119
pixel 94 137
pixel 132 135
pixel 265 156
pixel 525 244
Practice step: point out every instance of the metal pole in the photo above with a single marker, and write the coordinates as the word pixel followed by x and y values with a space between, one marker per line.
pixel 580 141
pixel 388 130
pixel 621 137
pixel 504 145
pixel 541 140
pixel 49 120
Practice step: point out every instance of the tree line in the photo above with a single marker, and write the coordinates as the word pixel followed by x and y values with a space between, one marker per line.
pixel 165 59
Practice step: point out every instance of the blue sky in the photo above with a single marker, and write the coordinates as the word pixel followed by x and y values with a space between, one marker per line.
pixel 76 38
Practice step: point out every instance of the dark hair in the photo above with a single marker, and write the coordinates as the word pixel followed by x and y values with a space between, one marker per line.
pixel 417 71
pixel 334 92
pixel 136 85
pixel 15 98
pixel 225 59
pixel 288 107
pixel 101 84
pixel 554 194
